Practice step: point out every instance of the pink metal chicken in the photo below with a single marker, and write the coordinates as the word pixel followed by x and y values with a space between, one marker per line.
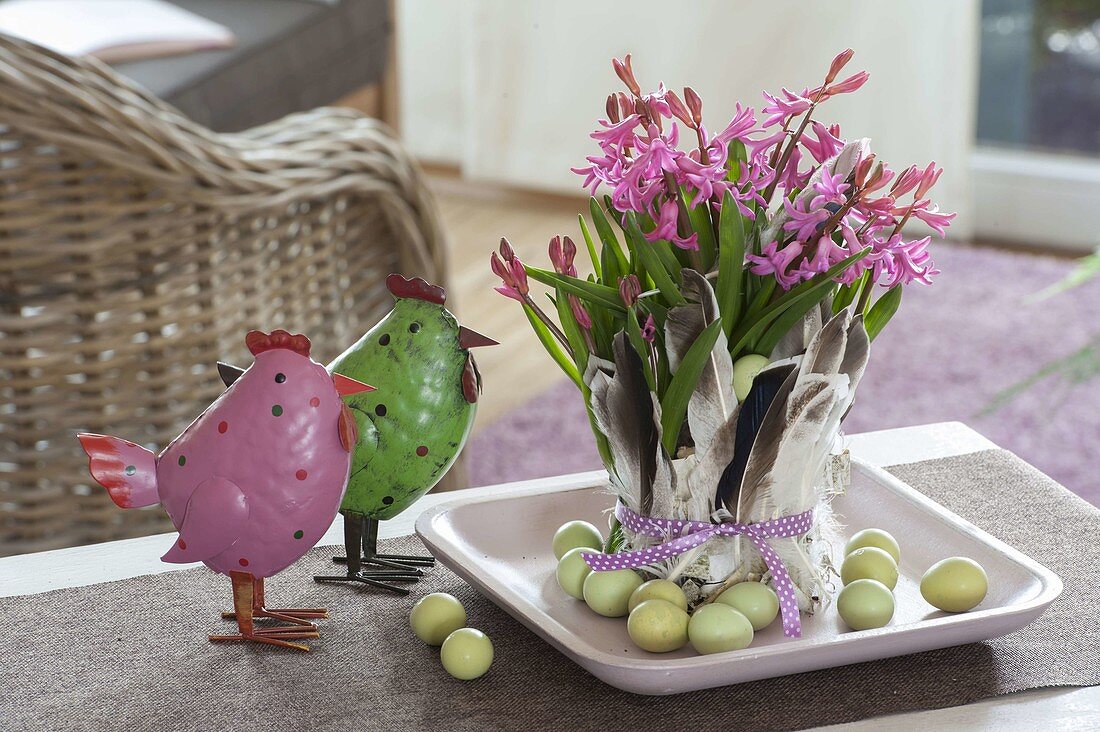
pixel 253 483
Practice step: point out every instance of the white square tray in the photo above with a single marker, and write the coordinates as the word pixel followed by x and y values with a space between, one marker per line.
pixel 502 548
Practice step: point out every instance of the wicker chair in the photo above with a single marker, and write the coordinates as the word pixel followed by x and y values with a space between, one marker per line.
pixel 137 248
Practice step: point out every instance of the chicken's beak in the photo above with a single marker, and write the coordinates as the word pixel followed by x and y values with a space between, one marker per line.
pixel 468 339
pixel 346 386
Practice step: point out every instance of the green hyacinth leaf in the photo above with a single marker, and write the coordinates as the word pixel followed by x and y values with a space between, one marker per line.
pixel 731 262
pixel 592 254
pixel 682 385
pixel 592 292
pixel 561 358
pixel 882 310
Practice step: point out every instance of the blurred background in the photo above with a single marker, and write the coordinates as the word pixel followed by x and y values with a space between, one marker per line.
pixel 481 108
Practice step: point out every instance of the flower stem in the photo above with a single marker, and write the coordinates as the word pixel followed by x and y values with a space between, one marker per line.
pixel 865 297
pixel 550 325
pixel 787 152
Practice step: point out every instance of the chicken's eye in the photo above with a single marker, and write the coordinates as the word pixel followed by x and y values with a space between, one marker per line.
pixel 280 378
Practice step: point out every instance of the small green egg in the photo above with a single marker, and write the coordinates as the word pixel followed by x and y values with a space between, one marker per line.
pixel 870 562
pixel 658 626
pixel 955 585
pixel 571 572
pixel 436 616
pixel 608 593
pixel 658 589
pixel 718 627
pixel 865 604
pixel 755 600
pixel 745 370
pixel 466 654
pixel 576 534
pixel 877 538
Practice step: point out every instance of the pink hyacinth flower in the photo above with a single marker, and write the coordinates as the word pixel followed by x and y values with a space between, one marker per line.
pixel 775 261
pixel 780 109
pixel 618 134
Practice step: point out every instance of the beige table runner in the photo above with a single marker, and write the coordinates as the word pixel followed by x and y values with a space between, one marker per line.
pixel 132 655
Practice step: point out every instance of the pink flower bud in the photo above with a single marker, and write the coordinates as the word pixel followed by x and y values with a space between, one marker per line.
pixel 928 179
pixel 695 104
pixel 839 62
pixel 500 269
pixel 649 329
pixel 612 109
pixel 626 74
pixel 519 277
pixel 569 253
pixel 653 111
pixel 630 289
pixel 863 168
pixel 679 109
pixel 905 182
pixel 879 178
pixel 506 250
pixel 851 84
pixel 556 254
pixel 626 104
pixel 584 320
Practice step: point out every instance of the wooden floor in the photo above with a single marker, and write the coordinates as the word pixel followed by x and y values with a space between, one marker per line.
pixel 476 217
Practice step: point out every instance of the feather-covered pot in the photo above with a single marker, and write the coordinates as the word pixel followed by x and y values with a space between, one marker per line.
pixel 765 458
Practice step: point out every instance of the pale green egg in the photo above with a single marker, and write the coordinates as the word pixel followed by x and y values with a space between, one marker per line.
pixel 755 600
pixel 870 562
pixel 571 572
pixel 436 616
pixel 658 589
pixel 865 604
pixel 874 537
pixel 955 585
pixel 745 370
pixel 575 534
pixel 718 627
pixel 658 626
pixel 608 593
pixel 466 654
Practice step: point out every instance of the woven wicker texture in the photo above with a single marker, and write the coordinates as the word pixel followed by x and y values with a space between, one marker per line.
pixel 137 248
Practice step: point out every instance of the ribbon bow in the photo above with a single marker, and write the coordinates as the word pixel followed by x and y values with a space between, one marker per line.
pixel 690 534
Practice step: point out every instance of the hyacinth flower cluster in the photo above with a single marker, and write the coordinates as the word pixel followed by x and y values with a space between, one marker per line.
pixel 777 210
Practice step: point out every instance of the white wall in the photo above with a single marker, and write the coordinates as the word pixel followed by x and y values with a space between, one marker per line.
pixel 510 90
pixel 429 87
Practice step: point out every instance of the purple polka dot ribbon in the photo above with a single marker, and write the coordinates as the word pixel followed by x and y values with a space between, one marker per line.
pixel 690 534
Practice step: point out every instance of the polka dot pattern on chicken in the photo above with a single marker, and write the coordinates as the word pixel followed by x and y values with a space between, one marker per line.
pixel 223 427
pixel 422 450
pixel 682 536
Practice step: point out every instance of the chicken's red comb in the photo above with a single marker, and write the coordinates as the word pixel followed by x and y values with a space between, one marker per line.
pixel 415 288
pixel 258 342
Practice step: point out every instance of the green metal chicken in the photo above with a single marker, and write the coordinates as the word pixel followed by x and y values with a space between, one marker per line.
pixel 411 429
pixel 411 434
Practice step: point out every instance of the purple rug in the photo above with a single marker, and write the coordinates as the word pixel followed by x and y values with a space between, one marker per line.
pixel 951 348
